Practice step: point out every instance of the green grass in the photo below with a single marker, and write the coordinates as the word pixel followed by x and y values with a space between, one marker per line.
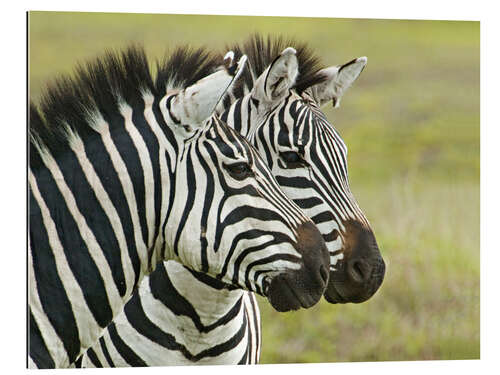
pixel 428 306
pixel 411 123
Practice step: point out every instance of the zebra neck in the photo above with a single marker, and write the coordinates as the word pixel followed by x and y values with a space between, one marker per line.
pixel 204 309
pixel 110 190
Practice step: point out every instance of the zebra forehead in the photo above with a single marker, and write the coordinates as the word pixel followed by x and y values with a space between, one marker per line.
pixel 230 142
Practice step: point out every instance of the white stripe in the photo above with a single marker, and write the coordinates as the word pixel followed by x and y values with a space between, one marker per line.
pixel 88 328
pixel 102 196
pixel 165 177
pixel 102 127
pixel 95 251
pixel 147 168
pixel 31 364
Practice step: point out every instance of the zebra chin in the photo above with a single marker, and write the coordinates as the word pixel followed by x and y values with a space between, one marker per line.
pixel 304 287
pixel 361 272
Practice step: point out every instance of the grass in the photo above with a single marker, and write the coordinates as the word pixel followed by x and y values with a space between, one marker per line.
pixel 411 123
pixel 428 306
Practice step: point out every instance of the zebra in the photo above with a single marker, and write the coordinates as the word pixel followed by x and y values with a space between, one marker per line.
pixel 120 168
pixel 187 329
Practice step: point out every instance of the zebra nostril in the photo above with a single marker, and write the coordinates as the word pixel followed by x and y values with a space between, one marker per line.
pixel 358 270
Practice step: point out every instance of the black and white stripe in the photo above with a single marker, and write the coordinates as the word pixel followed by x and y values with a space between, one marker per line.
pixel 309 159
pixel 120 170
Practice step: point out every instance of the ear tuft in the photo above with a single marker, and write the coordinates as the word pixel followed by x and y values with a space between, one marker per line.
pixel 339 79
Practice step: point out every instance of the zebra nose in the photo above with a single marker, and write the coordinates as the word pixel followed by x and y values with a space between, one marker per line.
pixel 303 287
pixel 361 271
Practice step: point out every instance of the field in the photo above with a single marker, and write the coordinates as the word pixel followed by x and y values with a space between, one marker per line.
pixel 411 123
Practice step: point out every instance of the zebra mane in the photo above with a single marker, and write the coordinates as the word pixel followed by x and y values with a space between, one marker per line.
pixel 261 52
pixel 99 86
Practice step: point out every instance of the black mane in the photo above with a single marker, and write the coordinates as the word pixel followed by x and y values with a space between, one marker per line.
pixel 262 51
pixel 99 85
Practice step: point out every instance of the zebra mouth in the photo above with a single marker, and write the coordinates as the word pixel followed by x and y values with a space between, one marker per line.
pixel 350 287
pixel 292 291
pixel 302 287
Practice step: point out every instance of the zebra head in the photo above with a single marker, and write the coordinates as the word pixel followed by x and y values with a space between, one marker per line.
pixel 228 216
pixel 308 156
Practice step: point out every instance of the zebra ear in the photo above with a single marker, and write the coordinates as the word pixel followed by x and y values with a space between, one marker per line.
pixel 194 104
pixel 339 79
pixel 278 78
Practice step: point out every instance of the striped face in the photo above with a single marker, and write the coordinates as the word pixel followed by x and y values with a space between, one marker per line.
pixel 230 219
pixel 309 160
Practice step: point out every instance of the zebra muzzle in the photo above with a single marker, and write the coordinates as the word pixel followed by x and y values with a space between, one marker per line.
pixel 360 273
pixel 304 287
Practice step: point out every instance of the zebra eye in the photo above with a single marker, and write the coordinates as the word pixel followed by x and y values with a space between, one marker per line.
pixel 292 159
pixel 239 171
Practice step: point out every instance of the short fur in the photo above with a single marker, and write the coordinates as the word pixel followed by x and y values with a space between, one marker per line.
pixel 100 85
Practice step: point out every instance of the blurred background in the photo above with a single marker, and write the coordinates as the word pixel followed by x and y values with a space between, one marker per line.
pixel 411 122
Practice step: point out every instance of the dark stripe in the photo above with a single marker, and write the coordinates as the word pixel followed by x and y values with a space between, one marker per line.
pixel 130 157
pixel 272 127
pixel 104 168
pixel 237 123
pixel 209 195
pixel 77 254
pixel 93 358
pixel 78 362
pixel 294 182
pixel 190 198
pixel 123 349
pixel 104 349
pixel 166 129
pixel 306 203
pixel 152 146
pixel 53 297
pixel 168 104
pixel 95 216
pixel 224 116
pixel 38 349
pixel 283 134
pixel 226 102
pixel 322 217
pixel 262 137
pixel 249 119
